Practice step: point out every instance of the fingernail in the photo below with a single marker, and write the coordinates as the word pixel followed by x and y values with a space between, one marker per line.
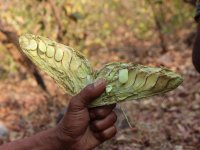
pixel 99 83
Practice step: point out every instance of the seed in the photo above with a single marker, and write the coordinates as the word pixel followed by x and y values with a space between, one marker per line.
pixel 140 80
pixel 131 77
pixel 123 76
pixel 42 47
pixel 66 59
pixel 50 51
pixel 161 83
pixel 32 45
pixel 108 88
pixel 150 81
pixel 75 63
pixel 82 71
pixel 59 54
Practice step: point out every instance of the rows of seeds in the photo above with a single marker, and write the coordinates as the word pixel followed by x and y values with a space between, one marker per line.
pixel 140 79
pixel 71 71
pixel 63 59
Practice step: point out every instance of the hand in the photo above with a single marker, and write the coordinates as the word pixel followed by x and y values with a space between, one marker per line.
pixel 83 128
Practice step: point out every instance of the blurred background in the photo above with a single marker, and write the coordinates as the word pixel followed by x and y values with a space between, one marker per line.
pixel 148 32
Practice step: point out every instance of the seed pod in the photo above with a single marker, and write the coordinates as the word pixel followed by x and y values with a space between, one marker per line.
pixel 133 81
pixel 72 71
pixel 65 65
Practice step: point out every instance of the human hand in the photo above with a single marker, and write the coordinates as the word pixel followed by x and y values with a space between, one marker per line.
pixel 82 128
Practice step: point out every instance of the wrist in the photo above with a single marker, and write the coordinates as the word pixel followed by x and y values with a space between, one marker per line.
pixel 64 141
pixel 50 137
pixel 46 140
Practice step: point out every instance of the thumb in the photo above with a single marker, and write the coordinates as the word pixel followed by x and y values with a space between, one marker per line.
pixel 87 95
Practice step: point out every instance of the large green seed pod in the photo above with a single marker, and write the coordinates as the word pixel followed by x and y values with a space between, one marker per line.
pixel 66 66
pixel 73 72
pixel 134 81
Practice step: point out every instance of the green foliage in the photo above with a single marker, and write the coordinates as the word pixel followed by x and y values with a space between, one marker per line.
pixel 85 23
pixel 7 63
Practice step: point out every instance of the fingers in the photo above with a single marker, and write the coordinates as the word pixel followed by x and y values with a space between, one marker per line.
pixel 87 95
pixel 101 112
pixel 106 134
pixel 104 129
pixel 100 125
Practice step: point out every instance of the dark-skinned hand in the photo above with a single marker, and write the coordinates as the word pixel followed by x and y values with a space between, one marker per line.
pixel 82 128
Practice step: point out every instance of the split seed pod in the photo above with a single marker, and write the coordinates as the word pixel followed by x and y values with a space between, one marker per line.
pixel 134 81
pixel 65 65
pixel 72 71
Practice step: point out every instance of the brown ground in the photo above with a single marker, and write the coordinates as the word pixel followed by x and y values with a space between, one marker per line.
pixel 169 121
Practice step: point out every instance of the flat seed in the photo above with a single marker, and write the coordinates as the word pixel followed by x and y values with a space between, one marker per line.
pixel 161 83
pixel 174 82
pixel 66 59
pixel 111 76
pixel 59 54
pixel 50 51
pixel 108 88
pixel 24 42
pixel 150 81
pixel 74 63
pixel 89 79
pixel 42 47
pixel 123 76
pixel 131 77
pixel 139 81
pixel 82 72
pixel 32 45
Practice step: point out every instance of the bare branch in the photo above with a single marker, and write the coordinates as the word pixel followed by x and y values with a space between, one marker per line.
pixel 57 15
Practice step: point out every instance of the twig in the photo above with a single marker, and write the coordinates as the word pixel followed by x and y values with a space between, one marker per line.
pixel 159 27
pixel 126 117
pixel 57 14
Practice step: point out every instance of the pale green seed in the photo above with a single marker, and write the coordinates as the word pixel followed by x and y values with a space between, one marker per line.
pixel 82 71
pixel 75 63
pixel 32 45
pixel 151 81
pixel 89 79
pixel 108 88
pixel 123 76
pixel 131 76
pixel 24 42
pixel 161 83
pixel 50 51
pixel 66 59
pixel 59 54
pixel 140 80
pixel 42 47
pixel 174 83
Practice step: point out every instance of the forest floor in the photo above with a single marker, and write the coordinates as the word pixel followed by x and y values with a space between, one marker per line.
pixel 169 122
